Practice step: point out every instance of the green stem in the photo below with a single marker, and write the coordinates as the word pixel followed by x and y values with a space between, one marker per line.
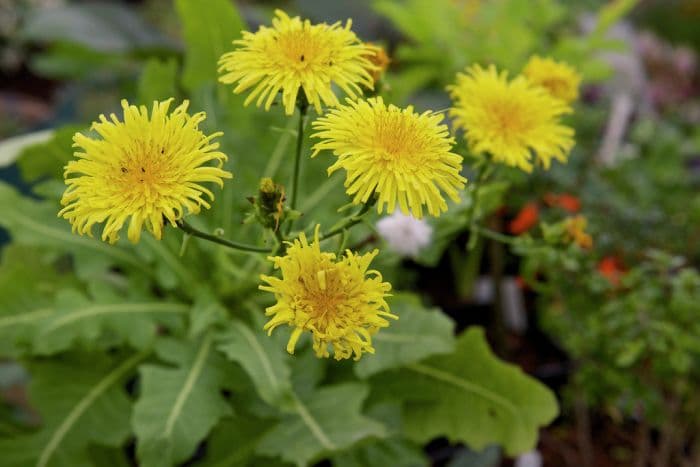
pixel 493 235
pixel 187 228
pixel 297 159
pixel 350 221
pixel 482 174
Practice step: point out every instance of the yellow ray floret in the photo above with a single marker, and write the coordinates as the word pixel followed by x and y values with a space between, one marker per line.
pixel 511 120
pixel 338 300
pixel 401 156
pixel 558 78
pixel 295 54
pixel 144 170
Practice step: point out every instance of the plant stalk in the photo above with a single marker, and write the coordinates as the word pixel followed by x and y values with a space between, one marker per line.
pixel 185 227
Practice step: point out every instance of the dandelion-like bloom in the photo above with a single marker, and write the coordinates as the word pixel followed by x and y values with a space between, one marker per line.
pixel 558 78
pixel 510 120
pixel 142 170
pixel 337 299
pixel 295 54
pixel 401 156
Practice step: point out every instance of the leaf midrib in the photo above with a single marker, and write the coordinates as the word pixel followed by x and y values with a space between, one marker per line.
pixel 192 377
pixel 79 409
pixel 464 384
pixel 94 310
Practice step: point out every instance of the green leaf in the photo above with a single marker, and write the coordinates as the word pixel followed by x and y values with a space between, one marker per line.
pixel 116 320
pixel 28 283
pixel 35 223
pixel 209 30
pixel 179 404
pixel 81 401
pixel 158 81
pixel 233 441
pixel 470 396
pixel 262 358
pixel 322 423
pixel 395 452
pixel 417 334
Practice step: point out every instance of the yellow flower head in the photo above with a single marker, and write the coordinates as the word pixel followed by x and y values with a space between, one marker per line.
pixel 144 170
pixel 295 54
pixel 337 299
pixel 401 156
pixel 510 119
pixel 576 232
pixel 558 78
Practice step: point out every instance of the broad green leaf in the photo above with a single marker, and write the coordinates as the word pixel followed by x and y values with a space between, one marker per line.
pixel 321 423
pixel 35 223
pixel 470 396
pixel 81 401
pixel 48 158
pixel 28 282
pixel 178 405
pixel 232 443
pixel 117 320
pixel 158 81
pixel 417 334
pixel 395 452
pixel 209 30
pixel 262 358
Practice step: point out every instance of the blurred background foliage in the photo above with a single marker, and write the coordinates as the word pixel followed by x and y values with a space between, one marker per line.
pixel 613 328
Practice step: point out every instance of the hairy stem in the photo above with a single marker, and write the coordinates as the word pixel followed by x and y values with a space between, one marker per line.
pixel 185 227
pixel 350 221
pixel 297 161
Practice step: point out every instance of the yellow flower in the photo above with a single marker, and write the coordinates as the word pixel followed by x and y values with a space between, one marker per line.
pixel 336 299
pixel 144 170
pixel 510 120
pixel 402 156
pixel 295 54
pixel 576 232
pixel 558 78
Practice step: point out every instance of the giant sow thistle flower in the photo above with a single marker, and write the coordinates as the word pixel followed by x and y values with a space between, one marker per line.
pixel 331 297
pixel 144 170
pixel 510 120
pixel 401 156
pixel 295 54
pixel 558 78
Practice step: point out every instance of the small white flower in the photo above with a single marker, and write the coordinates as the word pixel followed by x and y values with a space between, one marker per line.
pixel 404 234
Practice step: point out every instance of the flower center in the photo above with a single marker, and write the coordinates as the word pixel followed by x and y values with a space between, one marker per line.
pixel 556 86
pixel 301 50
pixel 395 140
pixel 143 169
pixel 508 119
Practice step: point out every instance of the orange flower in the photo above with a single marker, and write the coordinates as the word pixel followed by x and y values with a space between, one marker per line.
pixel 525 219
pixel 612 269
pixel 565 201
